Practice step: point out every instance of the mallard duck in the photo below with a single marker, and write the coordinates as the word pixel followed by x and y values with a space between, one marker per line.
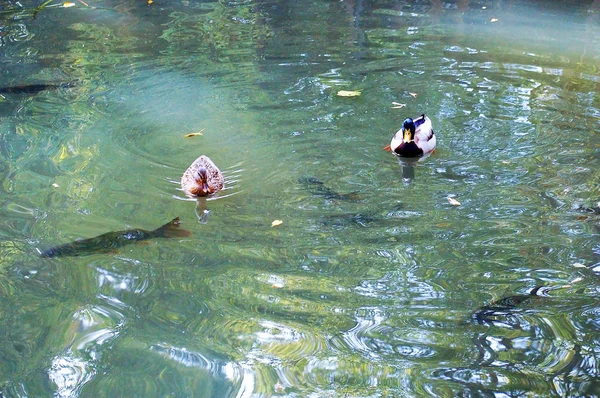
pixel 202 178
pixel 414 139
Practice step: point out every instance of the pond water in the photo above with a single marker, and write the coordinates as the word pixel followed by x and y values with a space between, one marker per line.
pixel 374 284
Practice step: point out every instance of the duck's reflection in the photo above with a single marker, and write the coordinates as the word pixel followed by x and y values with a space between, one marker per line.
pixel 202 211
pixel 408 167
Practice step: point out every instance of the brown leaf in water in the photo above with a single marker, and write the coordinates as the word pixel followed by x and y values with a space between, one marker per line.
pixel 194 134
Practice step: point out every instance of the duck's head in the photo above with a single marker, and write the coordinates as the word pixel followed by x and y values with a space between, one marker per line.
pixel 408 130
pixel 201 187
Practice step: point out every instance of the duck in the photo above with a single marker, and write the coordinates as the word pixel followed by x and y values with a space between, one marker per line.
pixel 414 139
pixel 202 178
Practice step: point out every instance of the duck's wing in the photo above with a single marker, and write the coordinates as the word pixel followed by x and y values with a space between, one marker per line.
pixel 396 140
pixel 424 135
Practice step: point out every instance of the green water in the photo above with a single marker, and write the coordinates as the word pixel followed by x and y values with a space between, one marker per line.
pixel 390 291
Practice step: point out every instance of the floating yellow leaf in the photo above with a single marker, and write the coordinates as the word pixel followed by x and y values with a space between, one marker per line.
pixel 64 154
pixel 398 105
pixel 276 223
pixel 194 134
pixel 414 95
pixel 68 4
pixel 348 93
pixel 453 201
pixel 150 1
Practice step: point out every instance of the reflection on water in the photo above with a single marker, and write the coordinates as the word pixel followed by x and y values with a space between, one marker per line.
pixel 373 284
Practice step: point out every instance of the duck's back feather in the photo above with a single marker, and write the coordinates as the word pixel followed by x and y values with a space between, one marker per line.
pixel 424 135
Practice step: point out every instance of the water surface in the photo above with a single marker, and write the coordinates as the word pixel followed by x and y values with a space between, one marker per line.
pixel 374 285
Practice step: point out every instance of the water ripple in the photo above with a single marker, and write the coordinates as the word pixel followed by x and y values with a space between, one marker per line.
pixel 190 358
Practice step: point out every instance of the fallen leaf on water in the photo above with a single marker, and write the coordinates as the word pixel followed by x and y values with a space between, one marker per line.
pixel 505 162
pixel 276 223
pixel 68 4
pixel 453 201
pixel 578 265
pixel 348 93
pixel 570 284
pixel 398 105
pixel 194 134
pixel 494 20
pixel 55 185
pixel 150 1
pixel 414 95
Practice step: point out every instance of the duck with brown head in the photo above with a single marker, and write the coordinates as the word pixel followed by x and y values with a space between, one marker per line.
pixel 203 178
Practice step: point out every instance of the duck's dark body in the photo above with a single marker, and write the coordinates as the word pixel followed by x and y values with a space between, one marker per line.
pixel 112 240
pixel 408 150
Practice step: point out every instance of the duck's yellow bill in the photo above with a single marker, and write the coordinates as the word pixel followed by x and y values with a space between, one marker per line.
pixel 407 137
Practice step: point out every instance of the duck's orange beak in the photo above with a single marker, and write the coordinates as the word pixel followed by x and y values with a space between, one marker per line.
pixel 407 138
